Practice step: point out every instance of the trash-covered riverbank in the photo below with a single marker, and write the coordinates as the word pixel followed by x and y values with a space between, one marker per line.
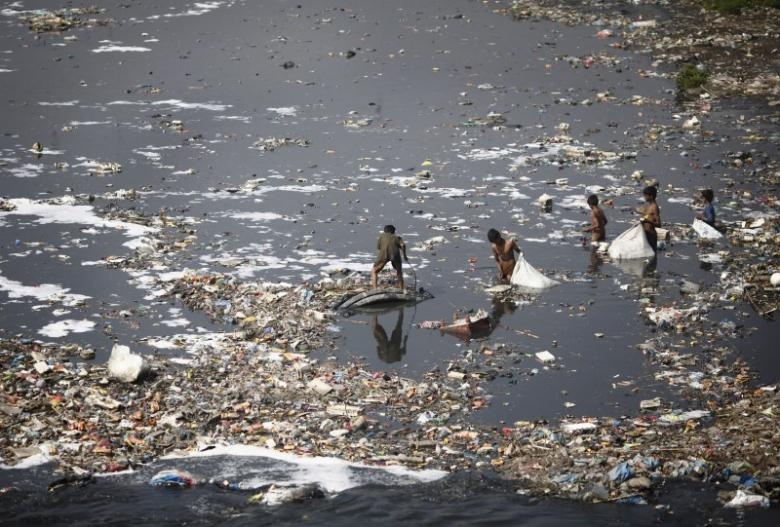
pixel 259 215
pixel 729 48
pixel 259 385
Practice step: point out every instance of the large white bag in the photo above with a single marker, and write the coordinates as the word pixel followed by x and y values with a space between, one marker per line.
pixel 630 245
pixel 526 277
pixel 705 230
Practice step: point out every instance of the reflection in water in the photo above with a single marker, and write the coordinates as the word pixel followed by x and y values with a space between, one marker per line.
pixel 392 349
pixel 596 261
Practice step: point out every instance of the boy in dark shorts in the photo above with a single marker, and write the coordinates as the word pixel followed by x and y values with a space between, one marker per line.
pixel 504 253
pixel 390 248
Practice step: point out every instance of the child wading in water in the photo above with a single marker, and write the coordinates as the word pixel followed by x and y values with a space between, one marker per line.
pixel 598 220
pixel 708 214
pixel 389 247
pixel 504 253
pixel 651 216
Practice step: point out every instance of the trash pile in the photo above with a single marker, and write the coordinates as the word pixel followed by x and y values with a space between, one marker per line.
pixel 269 144
pixel 262 385
pixel 43 21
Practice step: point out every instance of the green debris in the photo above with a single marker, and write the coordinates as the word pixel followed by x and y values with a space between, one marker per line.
pixel 690 78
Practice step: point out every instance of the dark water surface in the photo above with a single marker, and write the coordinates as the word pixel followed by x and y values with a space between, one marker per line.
pixel 418 78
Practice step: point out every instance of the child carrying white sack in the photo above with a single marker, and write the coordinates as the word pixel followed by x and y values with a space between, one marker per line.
pixel 631 244
pixel 526 276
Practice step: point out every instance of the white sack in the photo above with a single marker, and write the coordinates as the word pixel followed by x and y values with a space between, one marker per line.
pixel 630 245
pixel 705 230
pixel 527 277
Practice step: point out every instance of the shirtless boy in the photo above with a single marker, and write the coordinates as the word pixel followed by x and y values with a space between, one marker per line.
pixel 598 220
pixel 651 216
pixel 504 253
pixel 389 247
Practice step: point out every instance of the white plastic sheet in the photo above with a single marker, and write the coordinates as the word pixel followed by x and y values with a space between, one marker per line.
pixel 526 277
pixel 630 245
pixel 705 230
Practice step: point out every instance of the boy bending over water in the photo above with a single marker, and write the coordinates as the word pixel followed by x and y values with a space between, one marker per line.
pixel 504 253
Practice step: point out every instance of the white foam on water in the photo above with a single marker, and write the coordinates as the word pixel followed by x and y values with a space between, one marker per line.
pixel 27 170
pixel 197 9
pixel 176 103
pixel 258 216
pixel 88 123
pixel 3 70
pixel 214 107
pixel 121 49
pixel 40 292
pixel 62 103
pixel 176 322
pixel 29 462
pixel 332 474
pixel 68 213
pixel 482 154
pixel 63 328
pixel 285 111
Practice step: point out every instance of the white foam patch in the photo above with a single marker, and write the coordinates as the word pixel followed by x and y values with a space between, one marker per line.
pixel 112 48
pixel 3 70
pixel 258 216
pixel 332 474
pixel 197 9
pixel 40 292
pixel 285 111
pixel 69 214
pixel 62 103
pixel 176 322
pixel 88 123
pixel 29 462
pixel 65 327
pixel 176 103
pixel 27 170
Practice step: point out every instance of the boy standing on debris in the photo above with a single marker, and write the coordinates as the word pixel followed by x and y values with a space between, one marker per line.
pixel 708 214
pixel 651 216
pixel 504 253
pixel 598 220
pixel 390 247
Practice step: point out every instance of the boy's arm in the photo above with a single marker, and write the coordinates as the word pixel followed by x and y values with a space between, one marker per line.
pixel 403 249
pixel 594 222
pixel 515 247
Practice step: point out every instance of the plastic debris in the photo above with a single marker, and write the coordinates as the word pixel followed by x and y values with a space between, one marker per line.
pixel 173 478
pixel 125 365
pixel 746 499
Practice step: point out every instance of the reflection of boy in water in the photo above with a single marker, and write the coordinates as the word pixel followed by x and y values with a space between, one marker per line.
pixel 504 253
pixel 389 247
pixel 390 350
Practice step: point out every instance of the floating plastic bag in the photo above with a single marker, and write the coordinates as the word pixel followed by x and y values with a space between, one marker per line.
pixel 630 245
pixel 705 230
pixel 527 277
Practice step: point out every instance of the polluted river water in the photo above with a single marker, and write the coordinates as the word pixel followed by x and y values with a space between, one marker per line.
pixel 273 142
